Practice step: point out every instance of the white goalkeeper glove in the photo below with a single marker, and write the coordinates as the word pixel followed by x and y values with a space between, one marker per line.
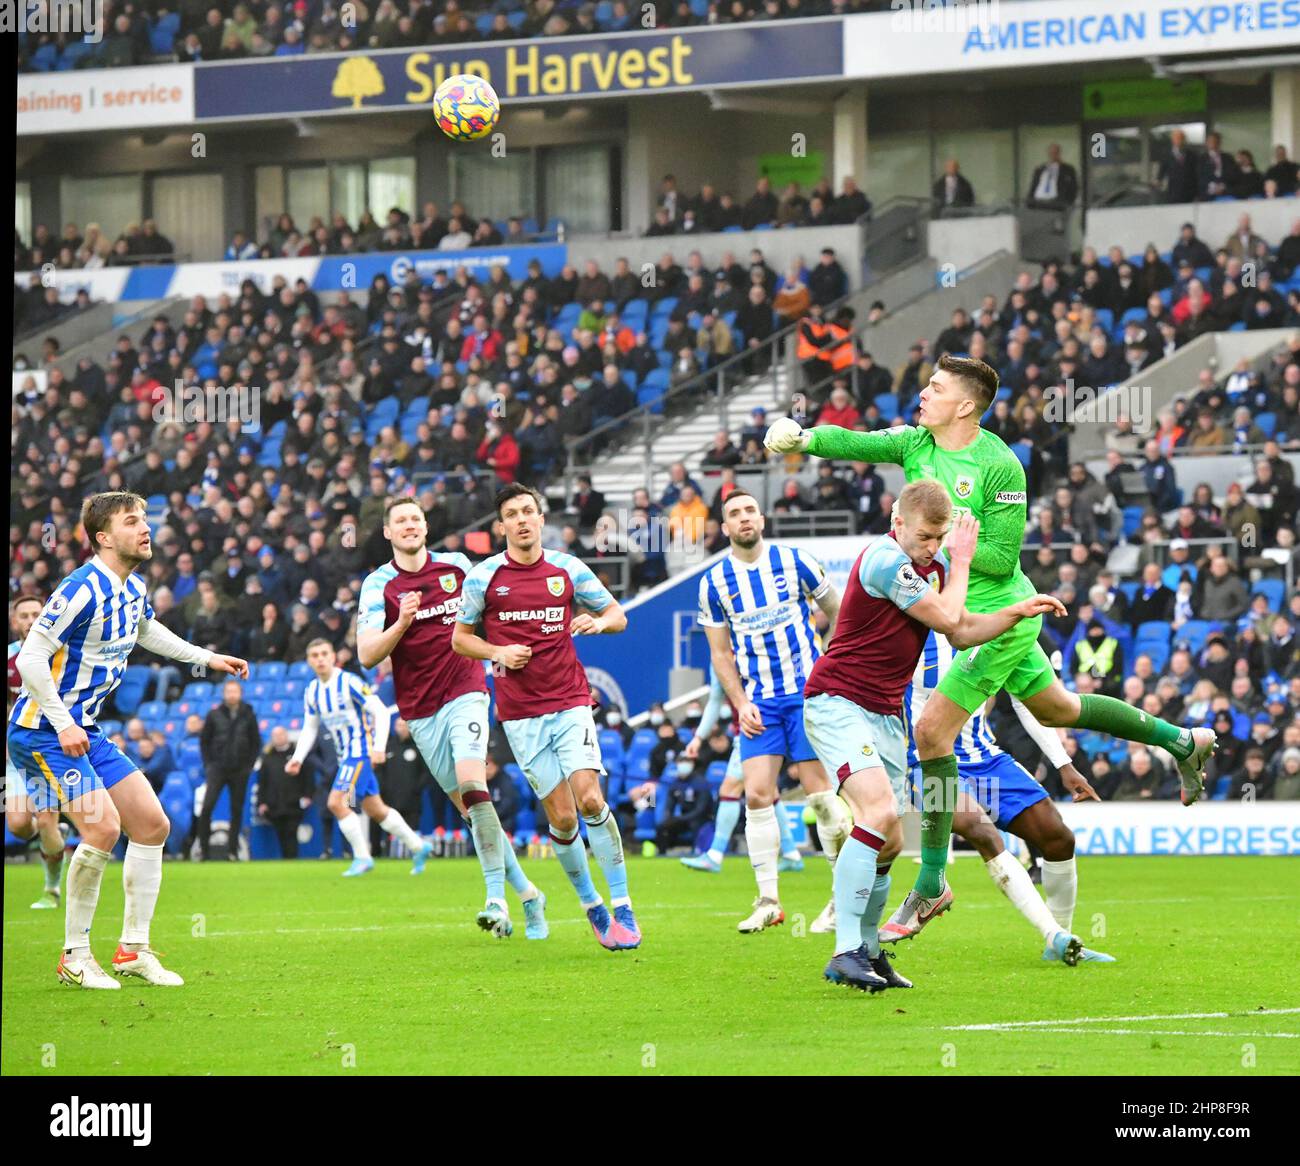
pixel 787 436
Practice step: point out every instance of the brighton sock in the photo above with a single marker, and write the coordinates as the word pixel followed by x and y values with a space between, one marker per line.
pixel 53 864
pixel 354 832
pixel 395 825
pixel 141 882
pixel 833 821
pixel 1013 881
pixel 853 882
pixel 573 859
pixel 488 840
pixel 607 845
pixel 876 908
pixel 1114 717
pixel 764 841
pixel 788 848
pixel 514 872
pixel 724 826
pixel 938 797
pixel 1061 886
pixel 85 873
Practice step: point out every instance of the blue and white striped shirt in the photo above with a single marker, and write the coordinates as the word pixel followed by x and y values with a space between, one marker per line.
pixel 95 617
pixel 340 702
pixel 975 743
pixel 767 606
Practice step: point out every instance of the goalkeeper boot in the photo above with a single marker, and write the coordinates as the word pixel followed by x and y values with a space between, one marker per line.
pixel 1192 768
pixel 914 913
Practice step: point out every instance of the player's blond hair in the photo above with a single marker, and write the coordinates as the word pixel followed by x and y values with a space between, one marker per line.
pixel 925 501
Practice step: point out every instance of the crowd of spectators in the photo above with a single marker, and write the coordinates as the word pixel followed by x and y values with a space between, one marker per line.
pixel 678 213
pixel 91 249
pixel 142 31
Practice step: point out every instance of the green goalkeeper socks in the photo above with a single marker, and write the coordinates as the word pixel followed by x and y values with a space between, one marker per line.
pixel 938 799
pixel 1114 717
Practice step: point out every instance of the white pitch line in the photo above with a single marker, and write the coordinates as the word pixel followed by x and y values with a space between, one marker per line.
pixel 1159 1032
pixel 1013 1025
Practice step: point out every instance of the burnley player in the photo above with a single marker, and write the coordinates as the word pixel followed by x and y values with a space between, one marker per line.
pixel 525 599
pixel 983 478
pixel 407 611
pixel 21 815
pixel 900 587
pixel 756 610
pixel 72 660
pixel 358 723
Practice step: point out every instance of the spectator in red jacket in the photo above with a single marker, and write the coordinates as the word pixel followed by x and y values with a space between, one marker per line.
pixel 500 451
pixel 483 342
pixel 840 409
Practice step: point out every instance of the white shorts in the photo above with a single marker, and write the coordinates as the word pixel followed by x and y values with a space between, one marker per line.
pixel 848 737
pixel 456 732
pixel 553 747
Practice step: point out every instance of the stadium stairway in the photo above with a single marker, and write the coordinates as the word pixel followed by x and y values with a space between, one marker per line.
pixel 130 318
pixel 918 306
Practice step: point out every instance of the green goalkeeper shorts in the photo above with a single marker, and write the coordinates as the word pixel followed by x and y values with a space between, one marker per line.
pixel 1014 661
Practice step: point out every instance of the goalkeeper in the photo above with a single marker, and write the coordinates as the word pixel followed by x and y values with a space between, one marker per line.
pixel 984 478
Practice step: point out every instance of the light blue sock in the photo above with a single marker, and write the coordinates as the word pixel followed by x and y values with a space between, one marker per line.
pixel 724 825
pixel 514 872
pixel 853 881
pixel 573 858
pixel 607 845
pixel 875 908
pixel 783 824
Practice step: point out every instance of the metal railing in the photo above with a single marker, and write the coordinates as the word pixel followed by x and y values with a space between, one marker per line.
pixel 892 237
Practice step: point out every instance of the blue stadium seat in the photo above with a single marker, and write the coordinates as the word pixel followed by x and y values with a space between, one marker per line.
pixel 44 59
pixel 1022 452
pixel 636 763
pixel 198 690
pixel 1196 632
pixel 127 697
pixel 635 313
pixel 110 727
pixel 1158 652
pixel 887 403
pixel 270 670
pixel 716 774
pixel 151 710
pixel 189 753
pixel 177 800
pixel 1273 589
pixel 75 53
pixel 1129 589
pixel 1172 575
pixel 1132 523
pixel 1133 314
pixel 300 670
pixel 1153 629
pixel 1222 788
pixel 663 308
pixel 1106 318
pixel 652 398
pixel 161 41
pixel 611 749
pixel 1267 422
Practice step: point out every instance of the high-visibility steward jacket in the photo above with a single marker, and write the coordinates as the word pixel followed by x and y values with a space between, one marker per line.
pixel 1100 661
pixel 812 333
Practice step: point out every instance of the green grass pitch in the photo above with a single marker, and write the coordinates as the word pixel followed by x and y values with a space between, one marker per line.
pixel 291 969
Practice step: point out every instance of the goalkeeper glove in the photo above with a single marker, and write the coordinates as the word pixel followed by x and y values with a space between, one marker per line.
pixel 787 436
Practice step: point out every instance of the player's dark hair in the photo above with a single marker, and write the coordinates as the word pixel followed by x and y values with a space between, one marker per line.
pixel 517 490
pixel 979 378
pixel 15 604
pixel 737 493
pixel 318 640
pixel 394 501
pixel 97 511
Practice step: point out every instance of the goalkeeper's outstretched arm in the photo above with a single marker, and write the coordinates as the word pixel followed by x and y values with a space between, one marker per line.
pixel 832 442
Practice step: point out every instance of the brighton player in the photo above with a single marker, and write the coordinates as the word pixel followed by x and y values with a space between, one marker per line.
pixel 730 793
pixel 407 610
pixel 755 610
pixel 983 477
pixel 525 599
pixel 900 587
pixel 21 815
pixel 358 723
pixel 72 660
pixel 997 793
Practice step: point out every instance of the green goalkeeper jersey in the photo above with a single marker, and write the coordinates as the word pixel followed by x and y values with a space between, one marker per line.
pixel 985 479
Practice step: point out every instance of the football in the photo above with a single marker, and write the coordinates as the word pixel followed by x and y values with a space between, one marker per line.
pixel 466 107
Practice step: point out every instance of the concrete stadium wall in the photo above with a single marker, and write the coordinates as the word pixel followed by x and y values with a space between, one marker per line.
pixel 779 247
pixel 1133 227
pixel 964 242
